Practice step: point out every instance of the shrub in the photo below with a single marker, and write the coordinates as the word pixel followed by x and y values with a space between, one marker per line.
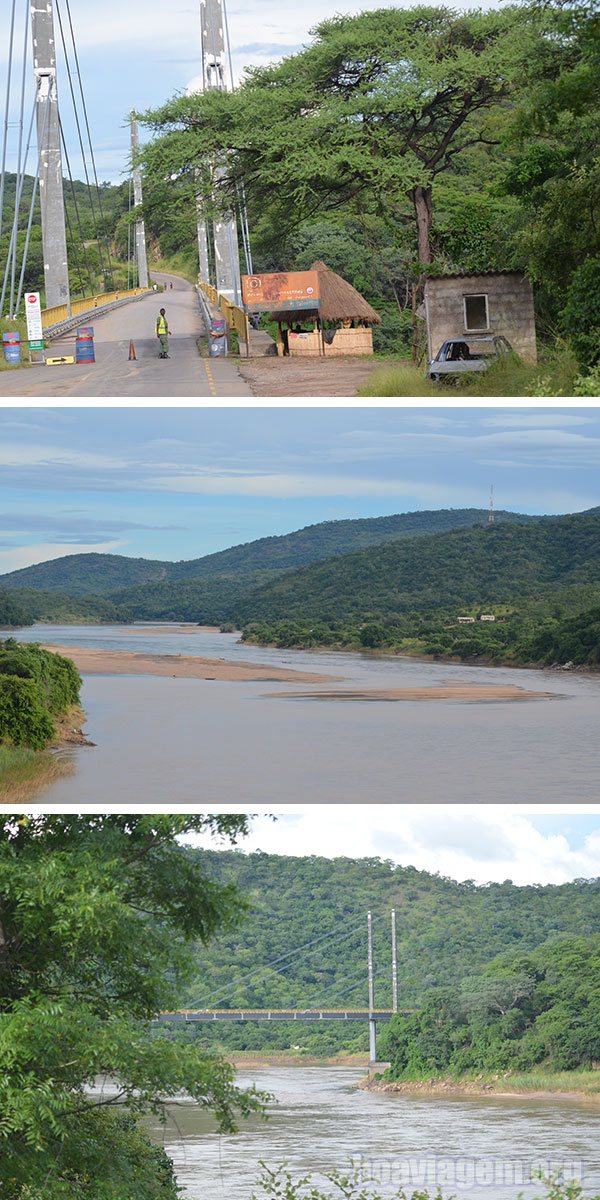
pixel 24 721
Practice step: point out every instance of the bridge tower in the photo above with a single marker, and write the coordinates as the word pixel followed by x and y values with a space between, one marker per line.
pixel 372 1021
pixel 54 234
pixel 215 49
pixel 141 253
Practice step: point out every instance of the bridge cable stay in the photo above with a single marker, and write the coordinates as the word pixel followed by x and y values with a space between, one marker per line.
pixel 20 164
pixel 295 953
pixel 19 188
pixel 92 155
pixel 106 270
pixel 11 261
pixel 11 42
pixel 78 218
pixel 45 121
pixel 360 982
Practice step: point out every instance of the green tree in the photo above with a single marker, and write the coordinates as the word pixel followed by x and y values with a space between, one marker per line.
pixel 369 114
pixel 98 916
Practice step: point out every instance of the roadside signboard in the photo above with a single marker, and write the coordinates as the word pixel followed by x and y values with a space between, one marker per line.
pixel 33 312
pixel 292 290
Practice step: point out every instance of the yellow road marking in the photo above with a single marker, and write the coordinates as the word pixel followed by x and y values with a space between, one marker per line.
pixel 211 379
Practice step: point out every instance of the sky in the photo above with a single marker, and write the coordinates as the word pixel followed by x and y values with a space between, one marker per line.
pixel 136 55
pixel 488 844
pixel 178 483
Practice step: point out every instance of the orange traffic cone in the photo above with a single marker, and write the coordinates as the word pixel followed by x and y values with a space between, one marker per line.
pixel 132 353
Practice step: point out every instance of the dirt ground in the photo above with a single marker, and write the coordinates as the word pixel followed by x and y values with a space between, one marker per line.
pixel 306 377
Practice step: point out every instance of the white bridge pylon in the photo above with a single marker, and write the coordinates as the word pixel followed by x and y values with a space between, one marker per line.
pixel 216 73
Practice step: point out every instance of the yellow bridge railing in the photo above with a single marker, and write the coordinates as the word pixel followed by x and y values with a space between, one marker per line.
pixel 236 317
pixel 60 313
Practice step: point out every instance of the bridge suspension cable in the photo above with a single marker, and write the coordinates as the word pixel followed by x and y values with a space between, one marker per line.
pixel 262 972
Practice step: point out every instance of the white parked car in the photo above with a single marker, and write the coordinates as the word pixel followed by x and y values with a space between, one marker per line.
pixel 464 355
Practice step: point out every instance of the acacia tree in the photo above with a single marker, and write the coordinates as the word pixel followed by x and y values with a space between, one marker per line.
pixel 98 919
pixel 369 114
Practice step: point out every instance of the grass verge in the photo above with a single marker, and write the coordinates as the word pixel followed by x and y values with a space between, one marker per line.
pixel 554 375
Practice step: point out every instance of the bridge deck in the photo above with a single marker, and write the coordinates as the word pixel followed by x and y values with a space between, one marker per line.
pixel 280 1014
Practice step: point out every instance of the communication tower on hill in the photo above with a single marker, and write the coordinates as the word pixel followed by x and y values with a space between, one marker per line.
pixel 492 511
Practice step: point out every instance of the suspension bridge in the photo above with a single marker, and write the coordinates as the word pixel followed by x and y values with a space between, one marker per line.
pixel 319 1013
pixel 81 279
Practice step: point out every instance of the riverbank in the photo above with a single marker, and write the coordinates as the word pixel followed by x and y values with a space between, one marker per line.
pixel 561 1085
pixel 25 773
pixel 180 666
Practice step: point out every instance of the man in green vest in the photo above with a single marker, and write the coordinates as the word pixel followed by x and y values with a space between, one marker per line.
pixel 162 333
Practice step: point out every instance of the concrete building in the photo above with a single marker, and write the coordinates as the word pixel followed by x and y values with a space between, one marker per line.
pixel 493 303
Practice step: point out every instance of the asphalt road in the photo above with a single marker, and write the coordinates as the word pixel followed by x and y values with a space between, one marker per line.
pixel 183 374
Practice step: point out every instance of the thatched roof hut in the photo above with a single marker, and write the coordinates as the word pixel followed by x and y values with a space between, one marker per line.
pixel 339 302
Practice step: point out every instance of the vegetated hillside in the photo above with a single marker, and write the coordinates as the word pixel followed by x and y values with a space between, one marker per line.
pixel 446 931
pixel 80 574
pixel 12 612
pixel 87 574
pixel 211 600
pixel 66 610
pixel 526 1009
pixel 466 567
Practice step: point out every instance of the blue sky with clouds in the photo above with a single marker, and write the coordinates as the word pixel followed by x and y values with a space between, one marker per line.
pixel 173 483
pixel 487 844
pixel 139 53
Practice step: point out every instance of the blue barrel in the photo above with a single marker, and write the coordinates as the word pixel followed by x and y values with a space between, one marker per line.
pixel 12 348
pixel 84 345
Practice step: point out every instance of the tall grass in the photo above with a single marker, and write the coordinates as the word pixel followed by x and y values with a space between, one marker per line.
pixel 554 375
pixel 23 772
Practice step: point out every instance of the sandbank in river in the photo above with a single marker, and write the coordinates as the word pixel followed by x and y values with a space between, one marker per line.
pixel 179 666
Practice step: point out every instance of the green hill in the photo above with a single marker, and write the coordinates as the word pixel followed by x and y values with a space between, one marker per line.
pixel 446 932
pixel 465 567
pixel 80 574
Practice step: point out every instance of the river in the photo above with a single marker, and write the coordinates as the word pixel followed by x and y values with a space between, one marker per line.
pixel 163 740
pixel 320 1121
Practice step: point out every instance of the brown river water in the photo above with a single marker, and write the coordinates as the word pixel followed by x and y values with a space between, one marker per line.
pixel 319 1121
pixel 163 740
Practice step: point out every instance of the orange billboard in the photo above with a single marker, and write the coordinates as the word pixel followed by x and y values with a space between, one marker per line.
pixel 293 290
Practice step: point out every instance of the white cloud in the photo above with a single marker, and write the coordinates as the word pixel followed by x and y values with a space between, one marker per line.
pixel 27 556
pixel 486 845
pixel 20 454
pixel 286 486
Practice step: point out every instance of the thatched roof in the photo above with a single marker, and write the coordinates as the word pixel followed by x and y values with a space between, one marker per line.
pixel 339 302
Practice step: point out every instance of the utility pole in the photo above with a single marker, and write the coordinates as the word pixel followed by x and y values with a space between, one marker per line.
pixel 140 229
pixel 52 203
pixel 213 23
pixel 394 964
pixel 372 1022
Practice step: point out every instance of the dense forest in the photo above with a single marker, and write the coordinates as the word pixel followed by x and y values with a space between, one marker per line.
pixel 526 1009
pixel 405 142
pixel 303 942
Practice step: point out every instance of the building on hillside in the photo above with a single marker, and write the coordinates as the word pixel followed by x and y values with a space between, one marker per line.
pixel 465 620
pixel 487 617
pixel 342 324
pixel 492 303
